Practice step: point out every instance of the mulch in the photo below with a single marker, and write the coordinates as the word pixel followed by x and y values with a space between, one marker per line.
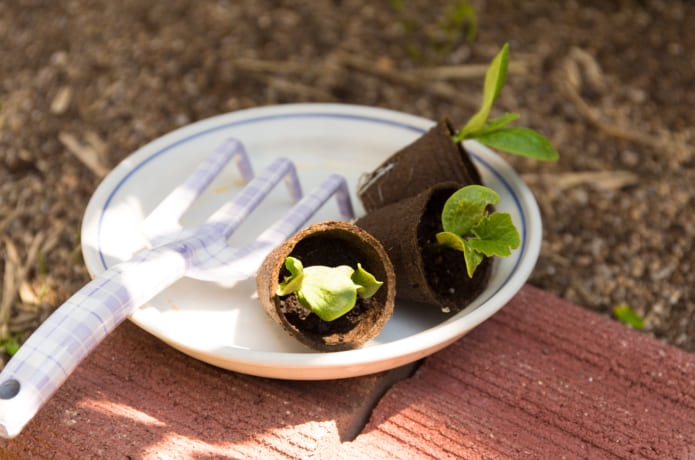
pixel 85 83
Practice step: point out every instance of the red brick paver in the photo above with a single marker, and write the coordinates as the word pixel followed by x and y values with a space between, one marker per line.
pixel 541 379
pixel 136 397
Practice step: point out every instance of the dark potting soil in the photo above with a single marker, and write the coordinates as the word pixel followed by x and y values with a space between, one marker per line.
pixel 329 252
pixel 446 268
pixel 309 322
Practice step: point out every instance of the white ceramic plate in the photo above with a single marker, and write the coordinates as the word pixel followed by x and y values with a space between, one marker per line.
pixel 227 327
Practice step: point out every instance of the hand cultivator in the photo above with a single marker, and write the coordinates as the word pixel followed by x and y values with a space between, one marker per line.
pixel 55 349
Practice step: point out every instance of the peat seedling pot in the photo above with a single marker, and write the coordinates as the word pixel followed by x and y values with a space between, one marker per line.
pixel 329 244
pixel 432 158
pixel 432 276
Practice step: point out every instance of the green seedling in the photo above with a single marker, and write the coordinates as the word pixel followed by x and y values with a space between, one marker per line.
pixel 628 316
pixel 330 292
pixel 496 133
pixel 456 23
pixel 460 16
pixel 11 344
pixel 469 228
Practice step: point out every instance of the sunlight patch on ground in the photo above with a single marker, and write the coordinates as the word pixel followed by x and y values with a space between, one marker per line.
pixel 121 410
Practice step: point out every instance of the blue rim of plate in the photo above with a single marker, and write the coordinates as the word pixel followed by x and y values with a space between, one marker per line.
pixel 267 118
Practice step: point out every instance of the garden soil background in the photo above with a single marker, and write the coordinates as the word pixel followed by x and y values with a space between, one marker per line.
pixel 84 83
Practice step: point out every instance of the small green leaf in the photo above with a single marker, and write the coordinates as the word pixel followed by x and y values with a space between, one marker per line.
pixel 11 347
pixel 497 123
pixel 627 315
pixel 10 344
pixel 495 78
pixel 368 285
pixel 495 133
pixel 294 282
pixel 461 14
pixel 473 258
pixel 449 240
pixel 519 141
pixel 466 207
pixel 452 241
pixel 328 291
pixel 468 227
pixel 496 235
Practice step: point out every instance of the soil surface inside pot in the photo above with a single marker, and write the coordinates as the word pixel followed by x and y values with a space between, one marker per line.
pixel 308 322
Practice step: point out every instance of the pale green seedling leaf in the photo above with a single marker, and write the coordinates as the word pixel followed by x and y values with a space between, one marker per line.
pixel 495 235
pixel 328 291
pixel 455 242
pixel 294 281
pixel 450 240
pixel 495 133
pixel 468 227
pixel 473 258
pixel 459 17
pixel 495 78
pixel 627 315
pixel 497 123
pixel 519 141
pixel 368 284
pixel 466 207
pixel 10 344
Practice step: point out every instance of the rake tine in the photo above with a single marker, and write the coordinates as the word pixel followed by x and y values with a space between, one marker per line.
pixel 300 213
pixel 229 216
pixel 227 265
pixel 175 204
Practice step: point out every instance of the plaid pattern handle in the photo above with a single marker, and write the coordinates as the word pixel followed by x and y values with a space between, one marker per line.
pixel 55 349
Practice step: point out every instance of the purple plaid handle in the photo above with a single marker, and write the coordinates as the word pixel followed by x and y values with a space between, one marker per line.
pixel 57 347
